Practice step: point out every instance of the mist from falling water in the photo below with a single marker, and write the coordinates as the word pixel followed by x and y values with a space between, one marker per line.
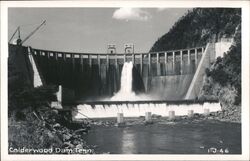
pixel 126 93
pixel 138 109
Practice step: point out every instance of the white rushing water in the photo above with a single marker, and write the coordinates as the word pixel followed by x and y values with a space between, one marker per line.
pixel 138 109
pixel 125 92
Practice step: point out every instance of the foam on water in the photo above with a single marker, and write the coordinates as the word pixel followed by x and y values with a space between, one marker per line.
pixel 136 110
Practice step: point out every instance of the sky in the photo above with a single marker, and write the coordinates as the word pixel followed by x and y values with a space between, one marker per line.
pixel 90 30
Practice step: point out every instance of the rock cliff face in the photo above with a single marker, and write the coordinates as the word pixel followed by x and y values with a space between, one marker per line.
pixel 223 80
pixel 227 96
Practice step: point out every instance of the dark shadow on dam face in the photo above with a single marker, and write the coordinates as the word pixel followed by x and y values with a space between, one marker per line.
pixel 137 85
pixel 104 82
pixel 84 81
pixel 96 79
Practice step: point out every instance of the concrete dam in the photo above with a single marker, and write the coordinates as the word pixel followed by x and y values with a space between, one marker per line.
pixel 165 75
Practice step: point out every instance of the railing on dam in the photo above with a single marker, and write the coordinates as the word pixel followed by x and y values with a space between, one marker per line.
pixel 174 62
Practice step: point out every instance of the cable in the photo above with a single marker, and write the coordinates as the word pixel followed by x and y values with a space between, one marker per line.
pixel 18 28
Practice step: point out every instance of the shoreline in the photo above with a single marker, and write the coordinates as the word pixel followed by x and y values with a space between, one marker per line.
pixel 112 121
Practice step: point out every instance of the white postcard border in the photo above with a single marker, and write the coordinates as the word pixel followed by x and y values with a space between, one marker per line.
pixel 151 4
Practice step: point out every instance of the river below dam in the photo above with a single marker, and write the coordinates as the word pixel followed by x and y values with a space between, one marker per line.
pixel 184 135
pixel 167 138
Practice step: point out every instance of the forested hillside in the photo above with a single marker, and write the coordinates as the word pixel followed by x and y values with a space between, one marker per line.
pixel 198 26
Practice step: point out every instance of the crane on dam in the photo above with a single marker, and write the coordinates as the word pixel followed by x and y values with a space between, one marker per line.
pixel 19 41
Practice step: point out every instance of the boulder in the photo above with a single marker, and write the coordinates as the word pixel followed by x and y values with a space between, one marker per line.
pixel 123 124
pixel 57 125
pixel 66 137
pixel 51 136
pixel 68 144
pixel 55 112
pixel 79 146
pixel 80 131
pixel 76 142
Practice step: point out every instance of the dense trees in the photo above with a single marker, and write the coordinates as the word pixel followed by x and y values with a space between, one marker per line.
pixel 199 26
pixel 226 71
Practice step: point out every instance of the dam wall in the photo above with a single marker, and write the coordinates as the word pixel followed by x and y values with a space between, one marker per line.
pixel 90 76
pixel 172 87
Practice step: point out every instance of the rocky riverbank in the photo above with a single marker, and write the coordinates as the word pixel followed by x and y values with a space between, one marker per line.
pixel 228 97
pixel 221 116
pixel 46 129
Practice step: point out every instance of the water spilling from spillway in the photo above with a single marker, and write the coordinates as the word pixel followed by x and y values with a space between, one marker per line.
pixel 139 109
pixel 131 105
pixel 126 93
